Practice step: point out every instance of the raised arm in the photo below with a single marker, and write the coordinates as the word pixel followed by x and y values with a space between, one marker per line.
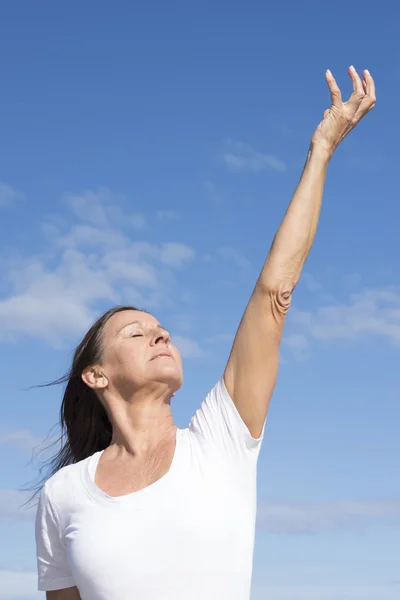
pixel 252 368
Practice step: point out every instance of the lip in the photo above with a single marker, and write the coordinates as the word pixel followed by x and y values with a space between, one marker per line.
pixel 164 353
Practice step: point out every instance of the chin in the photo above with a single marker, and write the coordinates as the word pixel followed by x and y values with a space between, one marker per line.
pixel 173 380
pixel 170 386
pixel 168 372
pixel 172 377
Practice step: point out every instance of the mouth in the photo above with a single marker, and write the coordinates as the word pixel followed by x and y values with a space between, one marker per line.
pixel 162 355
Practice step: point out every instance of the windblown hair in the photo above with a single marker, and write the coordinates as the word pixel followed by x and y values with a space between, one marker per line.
pixel 85 426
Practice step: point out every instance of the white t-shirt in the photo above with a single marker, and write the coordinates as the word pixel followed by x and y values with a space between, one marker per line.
pixel 188 536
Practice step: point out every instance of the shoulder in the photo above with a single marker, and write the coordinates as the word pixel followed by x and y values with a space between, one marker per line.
pixel 219 422
pixel 63 486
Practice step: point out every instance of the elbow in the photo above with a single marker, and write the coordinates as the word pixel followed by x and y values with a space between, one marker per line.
pixel 278 295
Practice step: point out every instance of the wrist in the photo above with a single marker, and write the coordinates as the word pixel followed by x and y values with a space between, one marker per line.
pixel 320 153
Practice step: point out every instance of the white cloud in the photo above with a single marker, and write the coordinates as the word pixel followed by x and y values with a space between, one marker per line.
pixel 241 156
pixel 175 254
pixel 137 220
pixel 57 295
pixel 187 347
pixel 103 208
pixel 87 235
pixel 23 439
pixel 310 518
pixel 89 206
pixel 8 194
pixel 19 585
pixel 51 303
pixel 371 312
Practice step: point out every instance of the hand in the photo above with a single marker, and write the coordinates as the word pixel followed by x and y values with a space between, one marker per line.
pixel 342 117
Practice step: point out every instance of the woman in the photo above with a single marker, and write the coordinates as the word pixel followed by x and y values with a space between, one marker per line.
pixel 141 509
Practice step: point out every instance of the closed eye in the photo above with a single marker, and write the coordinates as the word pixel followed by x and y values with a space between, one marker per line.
pixel 137 335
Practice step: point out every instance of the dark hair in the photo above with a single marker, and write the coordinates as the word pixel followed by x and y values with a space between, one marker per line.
pixel 85 426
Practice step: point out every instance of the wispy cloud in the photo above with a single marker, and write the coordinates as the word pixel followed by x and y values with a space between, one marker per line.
pixel 22 439
pixel 188 347
pixel 352 279
pixel 331 590
pixel 56 295
pixel 371 312
pixel 103 208
pixel 8 194
pixel 167 215
pixel 298 345
pixel 19 585
pixel 241 156
pixel 229 253
pixel 312 284
pixel 137 220
pixel 175 254
pixel 212 192
pixel 298 518
pixel 81 236
pixel 12 506
pixel 221 338
pixel 91 206
pixel 182 322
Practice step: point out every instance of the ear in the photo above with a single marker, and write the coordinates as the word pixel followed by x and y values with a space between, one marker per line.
pixel 95 378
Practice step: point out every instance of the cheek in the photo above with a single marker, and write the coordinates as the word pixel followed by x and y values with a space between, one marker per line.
pixel 130 358
pixel 129 367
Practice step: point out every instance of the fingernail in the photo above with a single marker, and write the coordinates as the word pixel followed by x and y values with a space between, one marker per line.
pixel 367 72
pixel 352 68
pixel 329 73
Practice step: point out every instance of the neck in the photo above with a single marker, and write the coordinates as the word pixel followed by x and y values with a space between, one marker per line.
pixel 141 422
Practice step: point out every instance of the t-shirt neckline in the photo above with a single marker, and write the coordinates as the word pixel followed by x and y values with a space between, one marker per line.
pixel 91 466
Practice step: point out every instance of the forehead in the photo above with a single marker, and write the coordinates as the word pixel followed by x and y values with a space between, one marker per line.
pixel 124 317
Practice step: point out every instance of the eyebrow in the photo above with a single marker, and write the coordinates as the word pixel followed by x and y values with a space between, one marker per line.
pixel 158 326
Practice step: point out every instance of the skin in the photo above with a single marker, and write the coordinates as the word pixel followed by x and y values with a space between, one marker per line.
pixel 136 391
pixel 136 385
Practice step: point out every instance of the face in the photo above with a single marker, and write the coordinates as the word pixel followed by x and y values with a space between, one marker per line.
pixel 138 353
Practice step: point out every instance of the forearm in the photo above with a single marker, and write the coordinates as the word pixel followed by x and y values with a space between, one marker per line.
pixel 294 238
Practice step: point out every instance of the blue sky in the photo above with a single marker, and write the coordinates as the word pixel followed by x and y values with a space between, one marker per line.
pixel 148 153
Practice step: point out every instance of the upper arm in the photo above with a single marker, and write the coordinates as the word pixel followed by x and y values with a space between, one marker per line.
pixel 251 372
pixel 54 572
pixel 218 421
pixel 67 594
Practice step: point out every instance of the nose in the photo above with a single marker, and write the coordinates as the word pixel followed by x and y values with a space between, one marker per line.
pixel 162 337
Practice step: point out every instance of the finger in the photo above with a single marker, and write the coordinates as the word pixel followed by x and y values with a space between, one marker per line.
pixel 358 92
pixel 369 84
pixel 336 96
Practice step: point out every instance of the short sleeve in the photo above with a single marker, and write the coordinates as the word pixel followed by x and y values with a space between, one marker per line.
pixel 218 420
pixel 53 568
